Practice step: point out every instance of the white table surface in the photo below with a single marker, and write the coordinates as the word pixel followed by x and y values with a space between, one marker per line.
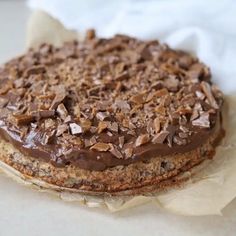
pixel 27 212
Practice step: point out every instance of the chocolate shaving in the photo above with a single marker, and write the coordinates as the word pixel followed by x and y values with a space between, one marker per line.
pixel 102 115
pixel 142 139
pixel 156 124
pixel 85 124
pixel 128 152
pixel 200 95
pixel 22 119
pixel 35 70
pixel 101 147
pixel 138 99
pixel 202 121
pixel 90 34
pixel 195 113
pixel 45 113
pixel 122 76
pixel 49 123
pixel 184 129
pixel 183 135
pixel 122 105
pixel 171 129
pixel 75 128
pixel 172 83
pixel 179 140
pixel 48 137
pixel 102 125
pixel 160 137
pixel 161 92
pixel 60 96
pixel 113 126
pixel 114 151
pixel 207 90
pixel 68 119
pixel 93 140
pixel 3 102
pixel 87 143
pixel 146 54
pixel 62 111
pixel 61 129
pixel 121 141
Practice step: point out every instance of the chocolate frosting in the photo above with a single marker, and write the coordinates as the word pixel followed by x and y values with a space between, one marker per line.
pixel 107 102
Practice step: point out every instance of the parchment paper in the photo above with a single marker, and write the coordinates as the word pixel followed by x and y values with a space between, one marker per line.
pixel 206 193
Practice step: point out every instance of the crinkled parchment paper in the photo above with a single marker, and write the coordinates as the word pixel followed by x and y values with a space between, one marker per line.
pixel 207 192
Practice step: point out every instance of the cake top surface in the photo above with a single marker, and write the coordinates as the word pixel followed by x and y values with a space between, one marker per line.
pixel 106 102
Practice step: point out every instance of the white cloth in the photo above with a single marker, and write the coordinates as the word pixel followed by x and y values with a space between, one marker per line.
pixel 206 28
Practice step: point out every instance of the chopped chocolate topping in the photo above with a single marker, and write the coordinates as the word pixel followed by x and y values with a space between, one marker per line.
pixel 183 135
pixel 122 97
pixel 90 34
pixel 121 141
pixel 207 90
pixel 160 137
pixel 179 140
pixel 114 150
pixel 60 96
pixel 102 125
pixel 122 105
pixel 138 99
pixel 49 123
pixel 48 137
pixel 75 128
pixel 157 125
pixel 128 152
pixel 61 129
pixel 146 54
pixel 142 139
pixel 43 114
pixel 85 124
pixel 61 110
pixel 200 95
pixel 22 119
pixel 102 115
pixel 172 83
pixel 35 70
pixel 68 119
pixel 3 102
pixel 202 121
pixel 101 147
pixel 113 126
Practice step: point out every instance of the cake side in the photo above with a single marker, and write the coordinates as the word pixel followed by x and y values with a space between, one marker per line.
pixel 157 174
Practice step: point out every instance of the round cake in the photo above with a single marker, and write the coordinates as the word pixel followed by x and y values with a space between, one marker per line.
pixel 108 116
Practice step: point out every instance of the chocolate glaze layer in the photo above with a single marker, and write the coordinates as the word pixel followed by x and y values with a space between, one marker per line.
pixel 98 161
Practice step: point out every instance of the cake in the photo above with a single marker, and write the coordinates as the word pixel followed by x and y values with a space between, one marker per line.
pixel 117 116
